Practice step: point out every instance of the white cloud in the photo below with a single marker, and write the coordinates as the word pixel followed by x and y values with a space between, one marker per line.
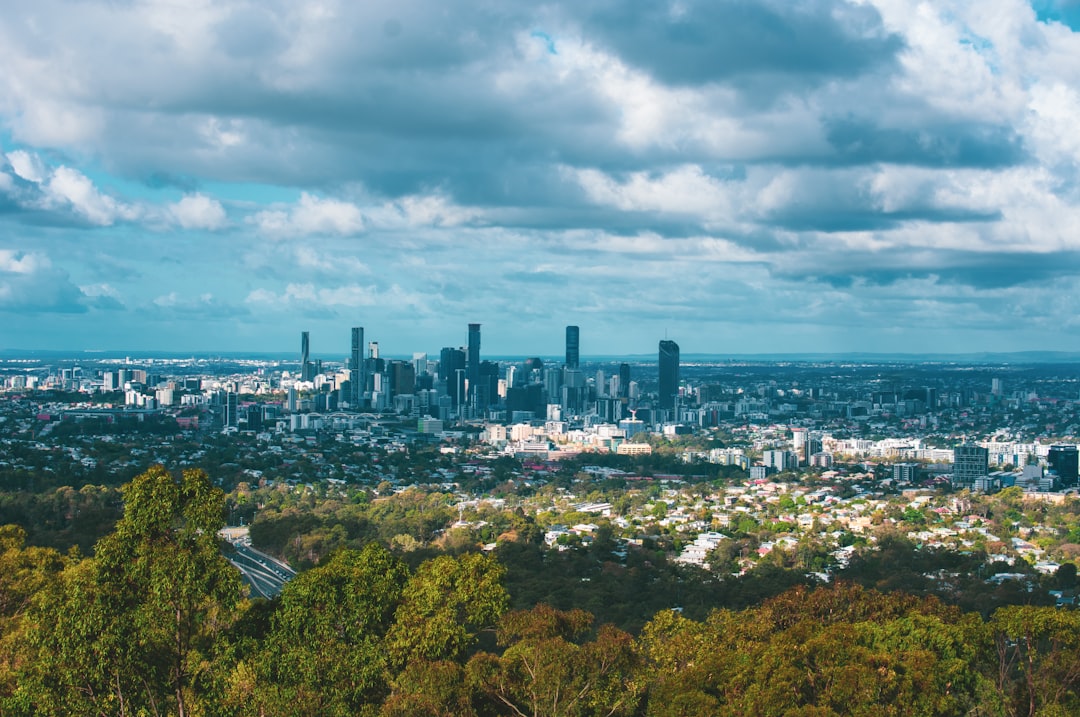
pixel 71 187
pixel 308 296
pixel 27 166
pixel 328 263
pixel 17 262
pixel 686 190
pixel 310 216
pixel 197 211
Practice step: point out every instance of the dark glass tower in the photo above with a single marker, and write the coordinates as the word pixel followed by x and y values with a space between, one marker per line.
pixel 357 375
pixel 472 361
pixel 305 357
pixel 451 364
pixel 624 380
pixel 669 373
pixel 573 345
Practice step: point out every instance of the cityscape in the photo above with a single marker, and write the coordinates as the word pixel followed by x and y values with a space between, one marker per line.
pixel 684 358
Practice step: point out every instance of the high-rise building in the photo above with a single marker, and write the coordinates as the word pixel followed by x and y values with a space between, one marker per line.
pixel 306 369
pixel 231 417
pixel 487 387
pixel 669 373
pixel 472 361
pixel 357 374
pixel 402 377
pixel 970 463
pixel 534 371
pixel 573 345
pixel 799 445
pixel 451 362
pixel 624 380
pixel 1065 461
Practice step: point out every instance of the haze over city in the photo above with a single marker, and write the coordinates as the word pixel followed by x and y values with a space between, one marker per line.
pixel 743 177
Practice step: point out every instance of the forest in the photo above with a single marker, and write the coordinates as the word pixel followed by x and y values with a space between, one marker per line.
pixel 157 622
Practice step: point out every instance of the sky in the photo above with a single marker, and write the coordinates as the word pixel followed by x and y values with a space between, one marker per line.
pixel 740 176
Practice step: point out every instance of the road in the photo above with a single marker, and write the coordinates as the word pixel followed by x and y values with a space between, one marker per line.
pixel 265 574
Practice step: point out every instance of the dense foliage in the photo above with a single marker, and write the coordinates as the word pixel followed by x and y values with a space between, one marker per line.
pixel 156 623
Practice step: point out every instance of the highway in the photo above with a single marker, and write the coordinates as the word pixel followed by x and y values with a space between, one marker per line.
pixel 265 574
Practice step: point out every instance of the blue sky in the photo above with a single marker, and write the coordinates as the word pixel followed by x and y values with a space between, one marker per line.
pixel 743 176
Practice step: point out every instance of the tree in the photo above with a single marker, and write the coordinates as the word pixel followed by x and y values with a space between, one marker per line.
pixel 1038 659
pixel 548 670
pixel 444 605
pixel 134 629
pixel 325 652
pixel 24 573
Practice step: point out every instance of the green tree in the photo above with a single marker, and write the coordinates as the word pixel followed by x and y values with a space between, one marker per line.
pixel 24 573
pixel 324 654
pixel 1038 659
pixel 444 605
pixel 549 670
pixel 134 629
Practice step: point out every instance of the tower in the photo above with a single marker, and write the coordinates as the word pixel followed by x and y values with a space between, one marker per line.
pixel 357 374
pixel 800 445
pixel 669 373
pixel 451 361
pixel 573 344
pixel 624 380
pixel 305 357
pixel 472 361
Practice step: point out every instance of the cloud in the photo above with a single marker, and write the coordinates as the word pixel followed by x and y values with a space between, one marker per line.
pixel 311 216
pixel 30 284
pixel 197 211
pixel 27 166
pixel 627 160
pixel 14 262
pixel 70 187
pixel 347 296
pixel 697 41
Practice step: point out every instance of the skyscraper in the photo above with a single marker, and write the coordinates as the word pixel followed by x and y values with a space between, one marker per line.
pixel 669 373
pixel 624 380
pixel 357 375
pixel 451 362
pixel 305 356
pixel 573 344
pixel 231 417
pixel 472 360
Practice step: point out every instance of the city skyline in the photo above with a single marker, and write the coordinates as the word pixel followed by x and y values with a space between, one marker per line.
pixel 749 178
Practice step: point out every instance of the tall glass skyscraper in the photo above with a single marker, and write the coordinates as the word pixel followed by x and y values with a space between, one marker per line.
pixel 472 361
pixel 669 373
pixel 306 373
pixel 573 345
pixel 357 375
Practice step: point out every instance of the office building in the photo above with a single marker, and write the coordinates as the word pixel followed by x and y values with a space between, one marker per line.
pixel 1063 460
pixel 573 345
pixel 669 373
pixel 357 374
pixel 970 463
pixel 472 362
pixel 231 417
pixel 451 373
pixel 307 372
pixel 624 380
pixel 799 441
